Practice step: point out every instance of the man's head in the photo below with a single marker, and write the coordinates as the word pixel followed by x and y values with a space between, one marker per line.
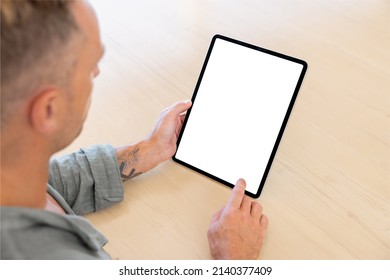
pixel 49 55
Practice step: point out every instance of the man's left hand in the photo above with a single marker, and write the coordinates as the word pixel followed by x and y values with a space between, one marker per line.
pixel 167 129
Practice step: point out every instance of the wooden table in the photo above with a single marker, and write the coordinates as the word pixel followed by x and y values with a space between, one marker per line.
pixel 328 193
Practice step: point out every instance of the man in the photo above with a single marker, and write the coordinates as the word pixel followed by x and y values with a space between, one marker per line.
pixel 50 51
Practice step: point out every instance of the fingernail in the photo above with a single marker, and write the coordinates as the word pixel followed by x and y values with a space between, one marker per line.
pixel 241 182
pixel 188 102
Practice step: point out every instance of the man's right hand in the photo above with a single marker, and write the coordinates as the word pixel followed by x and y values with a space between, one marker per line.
pixel 237 230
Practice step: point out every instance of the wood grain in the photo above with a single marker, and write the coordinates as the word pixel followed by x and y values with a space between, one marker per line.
pixel 328 193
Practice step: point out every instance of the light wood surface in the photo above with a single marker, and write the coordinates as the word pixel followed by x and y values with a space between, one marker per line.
pixel 328 193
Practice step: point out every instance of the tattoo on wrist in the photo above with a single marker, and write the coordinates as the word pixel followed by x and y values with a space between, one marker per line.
pixel 127 161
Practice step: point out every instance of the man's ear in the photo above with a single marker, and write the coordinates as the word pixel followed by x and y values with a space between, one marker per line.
pixel 46 111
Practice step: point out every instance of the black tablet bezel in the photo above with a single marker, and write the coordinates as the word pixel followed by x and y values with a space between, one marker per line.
pixel 283 126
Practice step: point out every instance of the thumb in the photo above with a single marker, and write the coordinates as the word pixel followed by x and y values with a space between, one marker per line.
pixel 179 108
pixel 217 215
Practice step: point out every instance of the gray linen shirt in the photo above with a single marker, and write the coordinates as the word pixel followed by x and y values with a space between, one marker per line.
pixel 82 182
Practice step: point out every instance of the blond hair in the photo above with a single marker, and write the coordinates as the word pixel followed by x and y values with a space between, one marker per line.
pixel 35 40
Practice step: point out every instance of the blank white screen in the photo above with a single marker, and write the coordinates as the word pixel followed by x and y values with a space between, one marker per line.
pixel 238 112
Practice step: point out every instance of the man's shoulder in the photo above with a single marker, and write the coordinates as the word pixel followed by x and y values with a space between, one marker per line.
pixel 37 234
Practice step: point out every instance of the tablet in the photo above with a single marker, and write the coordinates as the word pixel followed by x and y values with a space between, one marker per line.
pixel 241 104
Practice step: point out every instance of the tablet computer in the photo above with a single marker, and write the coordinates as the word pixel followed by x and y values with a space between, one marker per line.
pixel 241 104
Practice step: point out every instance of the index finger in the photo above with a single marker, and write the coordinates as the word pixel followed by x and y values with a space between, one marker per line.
pixel 237 195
